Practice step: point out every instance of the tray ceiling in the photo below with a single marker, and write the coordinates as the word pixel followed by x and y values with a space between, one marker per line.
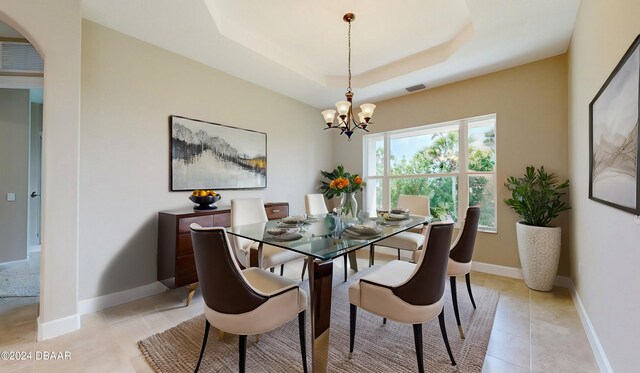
pixel 299 48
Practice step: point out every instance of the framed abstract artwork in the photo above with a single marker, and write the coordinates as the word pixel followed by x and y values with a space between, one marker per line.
pixel 208 155
pixel 613 136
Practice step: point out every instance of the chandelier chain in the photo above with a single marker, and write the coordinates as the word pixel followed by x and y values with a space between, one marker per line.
pixel 349 64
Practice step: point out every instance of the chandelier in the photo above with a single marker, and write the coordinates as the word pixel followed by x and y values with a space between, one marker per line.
pixel 346 122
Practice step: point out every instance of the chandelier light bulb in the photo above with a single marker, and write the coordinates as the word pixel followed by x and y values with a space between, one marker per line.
pixel 343 108
pixel 367 110
pixel 329 115
pixel 361 117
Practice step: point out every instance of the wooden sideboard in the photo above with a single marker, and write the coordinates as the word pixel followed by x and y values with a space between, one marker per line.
pixel 176 265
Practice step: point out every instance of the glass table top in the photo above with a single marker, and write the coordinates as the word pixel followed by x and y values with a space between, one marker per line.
pixel 324 236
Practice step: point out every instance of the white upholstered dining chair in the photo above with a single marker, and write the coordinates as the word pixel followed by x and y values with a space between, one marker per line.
pixel 314 204
pixel 251 211
pixel 408 293
pixel 242 302
pixel 412 239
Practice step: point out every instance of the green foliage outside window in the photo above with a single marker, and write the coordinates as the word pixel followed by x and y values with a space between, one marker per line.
pixel 439 158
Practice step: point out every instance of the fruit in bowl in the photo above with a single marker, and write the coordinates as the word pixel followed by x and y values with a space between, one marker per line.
pixel 204 198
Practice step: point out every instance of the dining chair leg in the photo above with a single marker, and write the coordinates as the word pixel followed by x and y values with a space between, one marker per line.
pixel 454 300
pixel 443 330
pixel 272 269
pixel 204 344
pixel 398 254
pixel 468 278
pixel 417 336
pixel 384 321
pixel 304 269
pixel 281 269
pixel 353 310
pixel 302 326
pixel 372 253
pixel 242 347
pixel 345 266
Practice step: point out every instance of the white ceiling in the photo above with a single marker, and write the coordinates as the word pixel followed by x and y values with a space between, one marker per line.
pixel 299 47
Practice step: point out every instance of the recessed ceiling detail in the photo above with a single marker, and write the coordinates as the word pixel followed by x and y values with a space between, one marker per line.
pixel 298 48
pixel 309 37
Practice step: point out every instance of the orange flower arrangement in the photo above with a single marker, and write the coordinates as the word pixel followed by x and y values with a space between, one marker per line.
pixel 340 182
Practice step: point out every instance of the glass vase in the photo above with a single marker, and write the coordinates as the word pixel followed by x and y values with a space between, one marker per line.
pixel 349 205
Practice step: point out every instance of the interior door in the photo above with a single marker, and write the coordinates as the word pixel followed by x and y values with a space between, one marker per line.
pixel 35 177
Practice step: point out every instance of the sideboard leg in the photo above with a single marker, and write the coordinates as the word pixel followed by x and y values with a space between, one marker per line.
pixel 192 290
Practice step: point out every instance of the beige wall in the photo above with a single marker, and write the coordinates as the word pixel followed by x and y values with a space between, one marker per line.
pixel 14 164
pixel 605 250
pixel 531 106
pixel 53 27
pixel 129 88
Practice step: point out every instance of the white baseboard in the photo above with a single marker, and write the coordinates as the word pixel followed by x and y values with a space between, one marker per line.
pixel 495 269
pixel 54 328
pixel 513 272
pixel 594 341
pixel 86 306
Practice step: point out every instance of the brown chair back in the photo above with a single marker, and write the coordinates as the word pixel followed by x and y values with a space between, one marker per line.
pixel 426 286
pixel 463 250
pixel 223 288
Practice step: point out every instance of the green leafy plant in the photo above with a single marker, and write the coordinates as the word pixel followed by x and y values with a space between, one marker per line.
pixel 537 196
pixel 340 182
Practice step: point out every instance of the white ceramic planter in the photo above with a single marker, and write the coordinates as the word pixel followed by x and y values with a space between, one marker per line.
pixel 539 249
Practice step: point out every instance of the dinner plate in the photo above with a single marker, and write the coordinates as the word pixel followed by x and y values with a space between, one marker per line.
pixel 281 231
pixel 282 224
pixel 364 230
pixel 396 218
pixel 294 219
pixel 287 237
pixel 351 234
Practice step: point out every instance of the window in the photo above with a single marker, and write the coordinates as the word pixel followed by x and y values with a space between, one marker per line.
pixel 454 163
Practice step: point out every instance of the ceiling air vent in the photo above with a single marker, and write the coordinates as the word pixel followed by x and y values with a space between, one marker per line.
pixel 416 87
pixel 18 57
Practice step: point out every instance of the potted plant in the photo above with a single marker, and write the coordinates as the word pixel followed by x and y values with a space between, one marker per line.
pixel 345 185
pixel 537 197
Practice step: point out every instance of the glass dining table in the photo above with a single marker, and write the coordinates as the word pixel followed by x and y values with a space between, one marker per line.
pixel 321 239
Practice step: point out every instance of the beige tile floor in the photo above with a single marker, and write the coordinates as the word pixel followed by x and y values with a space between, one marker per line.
pixel 533 331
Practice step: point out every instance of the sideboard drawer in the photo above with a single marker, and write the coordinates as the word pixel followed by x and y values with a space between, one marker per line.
pixel 186 270
pixel 222 219
pixel 184 246
pixel 205 221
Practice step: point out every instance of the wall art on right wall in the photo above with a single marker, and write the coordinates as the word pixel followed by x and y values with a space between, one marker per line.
pixel 613 136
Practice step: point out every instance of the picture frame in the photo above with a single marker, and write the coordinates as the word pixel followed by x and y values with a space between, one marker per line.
pixel 613 136
pixel 207 155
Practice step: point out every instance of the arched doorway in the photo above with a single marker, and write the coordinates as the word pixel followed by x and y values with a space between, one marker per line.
pixel 58 40
pixel 21 83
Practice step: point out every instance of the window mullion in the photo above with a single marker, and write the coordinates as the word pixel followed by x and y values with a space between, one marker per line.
pixel 386 187
pixel 463 179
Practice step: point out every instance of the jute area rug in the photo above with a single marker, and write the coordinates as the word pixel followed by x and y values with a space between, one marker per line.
pixel 378 347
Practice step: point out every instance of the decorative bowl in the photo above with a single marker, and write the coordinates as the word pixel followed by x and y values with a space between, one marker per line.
pixel 205 202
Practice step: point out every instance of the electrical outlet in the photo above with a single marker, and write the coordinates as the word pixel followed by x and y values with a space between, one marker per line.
pixel 11 197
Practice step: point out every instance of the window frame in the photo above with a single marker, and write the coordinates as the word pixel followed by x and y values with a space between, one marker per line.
pixel 463 173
